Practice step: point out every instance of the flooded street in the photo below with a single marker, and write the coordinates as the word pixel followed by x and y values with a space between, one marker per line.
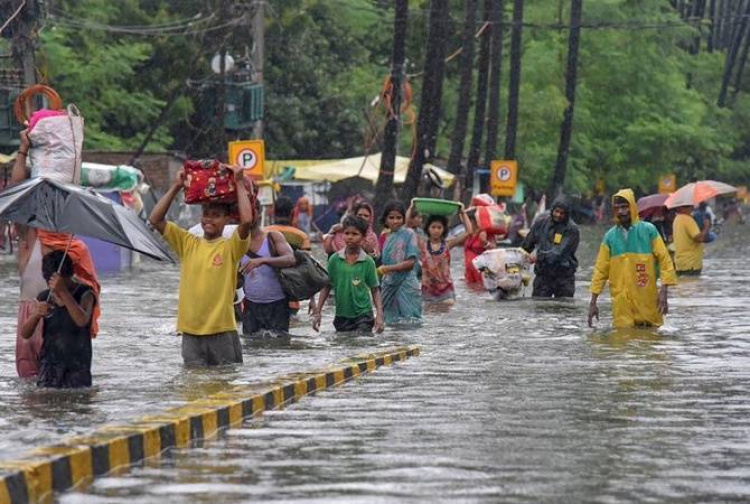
pixel 509 402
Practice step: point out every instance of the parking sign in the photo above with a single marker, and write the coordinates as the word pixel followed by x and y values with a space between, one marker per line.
pixel 249 154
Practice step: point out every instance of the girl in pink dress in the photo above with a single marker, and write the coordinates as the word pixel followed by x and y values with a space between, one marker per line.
pixel 437 283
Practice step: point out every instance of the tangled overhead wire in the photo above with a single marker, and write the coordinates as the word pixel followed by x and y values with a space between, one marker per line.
pixel 187 26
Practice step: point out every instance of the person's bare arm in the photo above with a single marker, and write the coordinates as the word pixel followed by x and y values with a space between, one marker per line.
pixel 29 326
pixel 406 265
pixel 593 309
pixel 159 213
pixel 316 316
pixel 244 206
pixel 377 298
pixel 80 313
pixel 468 230
pixel 20 171
pixel 283 258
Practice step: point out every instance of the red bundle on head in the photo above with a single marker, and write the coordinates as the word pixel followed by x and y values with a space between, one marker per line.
pixel 210 181
pixel 483 200
pixel 492 219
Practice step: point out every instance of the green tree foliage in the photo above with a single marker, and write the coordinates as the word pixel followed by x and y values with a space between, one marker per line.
pixel 646 104
pixel 326 61
pixel 112 79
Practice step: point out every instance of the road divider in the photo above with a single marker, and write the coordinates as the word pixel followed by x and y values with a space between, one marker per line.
pixel 76 461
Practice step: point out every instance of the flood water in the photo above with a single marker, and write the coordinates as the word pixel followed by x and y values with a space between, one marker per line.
pixel 509 402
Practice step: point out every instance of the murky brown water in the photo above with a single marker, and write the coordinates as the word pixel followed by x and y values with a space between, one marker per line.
pixel 509 402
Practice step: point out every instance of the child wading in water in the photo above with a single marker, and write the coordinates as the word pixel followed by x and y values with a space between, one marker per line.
pixel 65 360
pixel 354 279
pixel 402 295
pixel 208 273
pixel 437 283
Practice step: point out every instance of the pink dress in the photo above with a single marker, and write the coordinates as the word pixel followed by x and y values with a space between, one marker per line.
pixel 29 350
pixel 437 284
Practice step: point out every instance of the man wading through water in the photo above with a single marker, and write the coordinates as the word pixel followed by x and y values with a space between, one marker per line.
pixel 555 237
pixel 628 258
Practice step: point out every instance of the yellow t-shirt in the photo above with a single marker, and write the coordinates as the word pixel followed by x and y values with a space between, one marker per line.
pixel 688 253
pixel 208 272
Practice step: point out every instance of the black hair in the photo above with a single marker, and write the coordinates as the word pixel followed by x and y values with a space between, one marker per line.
pixel 442 219
pixel 283 208
pixel 620 200
pixel 357 223
pixel 415 213
pixel 225 208
pixel 393 206
pixel 51 264
pixel 359 206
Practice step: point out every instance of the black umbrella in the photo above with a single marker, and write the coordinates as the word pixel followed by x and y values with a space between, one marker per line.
pixel 64 208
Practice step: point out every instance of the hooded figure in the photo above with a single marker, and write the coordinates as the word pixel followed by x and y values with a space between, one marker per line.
pixel 555 237
pixel 632 257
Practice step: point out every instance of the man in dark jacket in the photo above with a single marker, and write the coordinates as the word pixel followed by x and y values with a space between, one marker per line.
pixel 555 237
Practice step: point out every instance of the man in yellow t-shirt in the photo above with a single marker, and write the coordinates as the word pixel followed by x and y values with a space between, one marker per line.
pixel 688 242
pixel 208 272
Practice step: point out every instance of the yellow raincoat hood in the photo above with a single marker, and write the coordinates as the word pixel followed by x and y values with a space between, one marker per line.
pixel 629 195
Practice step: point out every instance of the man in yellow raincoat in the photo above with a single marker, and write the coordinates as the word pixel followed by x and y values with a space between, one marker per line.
pixel 632 257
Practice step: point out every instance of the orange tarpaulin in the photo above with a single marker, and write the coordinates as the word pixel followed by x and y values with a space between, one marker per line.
pixel 83 266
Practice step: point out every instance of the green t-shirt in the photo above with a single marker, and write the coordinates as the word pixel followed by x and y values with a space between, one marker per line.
pixel 352 283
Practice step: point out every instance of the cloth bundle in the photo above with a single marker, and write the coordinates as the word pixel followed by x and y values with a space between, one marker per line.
pixel 56 139
pixel 492 219
pixel 210 181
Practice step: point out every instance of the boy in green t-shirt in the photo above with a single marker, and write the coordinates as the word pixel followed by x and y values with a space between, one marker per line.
pixel 354 279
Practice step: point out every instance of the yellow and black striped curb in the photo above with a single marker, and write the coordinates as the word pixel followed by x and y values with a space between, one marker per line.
pixel 77 461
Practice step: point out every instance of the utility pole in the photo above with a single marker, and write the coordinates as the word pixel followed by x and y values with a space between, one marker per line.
pixel 493 112
pixel 571 77
pixel 466 69
pixel 23 44
pixel 432 91
pixel 514 84
pixel 384 186
pixel 221 88
pixel 259 34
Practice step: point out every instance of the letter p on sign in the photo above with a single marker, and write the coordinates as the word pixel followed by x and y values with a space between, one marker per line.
pixel 249 154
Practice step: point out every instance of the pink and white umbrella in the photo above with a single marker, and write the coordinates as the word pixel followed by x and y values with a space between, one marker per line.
pixel 697 192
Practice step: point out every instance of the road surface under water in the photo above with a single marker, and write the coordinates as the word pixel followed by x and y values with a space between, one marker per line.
pixel 509 402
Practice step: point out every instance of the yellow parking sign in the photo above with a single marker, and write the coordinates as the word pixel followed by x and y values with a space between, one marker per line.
pixel 503 178
pixel 249 154
pixel 667 183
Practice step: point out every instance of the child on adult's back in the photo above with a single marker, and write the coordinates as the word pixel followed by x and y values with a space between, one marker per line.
pixel 354 279
pixel 208 272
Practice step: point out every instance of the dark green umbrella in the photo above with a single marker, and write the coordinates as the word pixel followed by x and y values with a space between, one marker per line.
pixel 64 208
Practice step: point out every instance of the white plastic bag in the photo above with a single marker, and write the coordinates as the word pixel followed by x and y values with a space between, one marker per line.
pixel 503 269
pixel 56 147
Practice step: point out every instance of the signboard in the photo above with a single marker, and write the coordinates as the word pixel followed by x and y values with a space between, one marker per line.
pixel 503 178
pixel 667 183
pixel 600 187
pixel 742 194
pixel 249 154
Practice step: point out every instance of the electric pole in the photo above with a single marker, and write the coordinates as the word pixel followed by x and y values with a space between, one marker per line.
pixel 259 34
pixel 23 44
pixel 514 84
pixel 384 186
pixel 571 78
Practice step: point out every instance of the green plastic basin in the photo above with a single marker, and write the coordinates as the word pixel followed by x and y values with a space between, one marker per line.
pixel 432 206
